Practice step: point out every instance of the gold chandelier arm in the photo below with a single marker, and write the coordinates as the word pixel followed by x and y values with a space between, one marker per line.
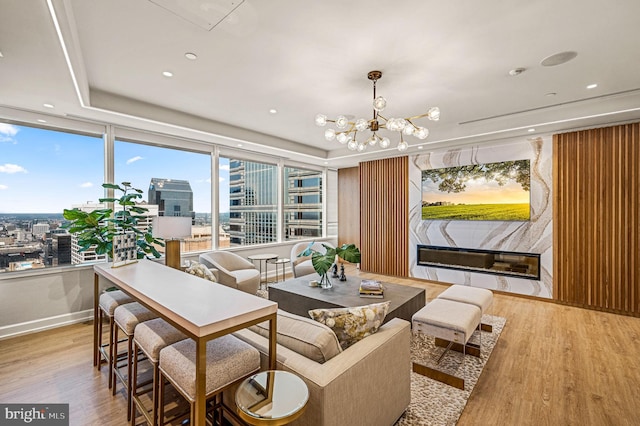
pixel 384 118
pixel 408 120
pixel 415 117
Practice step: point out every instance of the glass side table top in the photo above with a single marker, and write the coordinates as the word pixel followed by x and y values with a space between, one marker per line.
pixel 271 398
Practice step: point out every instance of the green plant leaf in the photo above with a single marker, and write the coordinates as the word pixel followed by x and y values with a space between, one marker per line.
pixel 114 186
pixel 323 262
pixel 73 214
pixel 349 252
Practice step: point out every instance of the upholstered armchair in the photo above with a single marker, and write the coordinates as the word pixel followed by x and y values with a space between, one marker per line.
pixel 301 266
pixel 232 270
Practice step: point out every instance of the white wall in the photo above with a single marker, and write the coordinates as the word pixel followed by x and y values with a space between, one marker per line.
pixel 534 236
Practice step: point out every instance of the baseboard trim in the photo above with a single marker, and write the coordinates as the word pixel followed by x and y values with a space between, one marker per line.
pixel 15 330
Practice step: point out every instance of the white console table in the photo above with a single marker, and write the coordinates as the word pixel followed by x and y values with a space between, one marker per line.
pixel 199 308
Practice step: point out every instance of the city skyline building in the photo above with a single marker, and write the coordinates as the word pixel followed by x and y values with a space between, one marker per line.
pixel 173 197
pixel 253 203
pixel 303 203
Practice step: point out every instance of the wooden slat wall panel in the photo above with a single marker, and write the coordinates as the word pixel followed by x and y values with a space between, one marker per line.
pixel 349 206
pixel 384 216
pixel 597 218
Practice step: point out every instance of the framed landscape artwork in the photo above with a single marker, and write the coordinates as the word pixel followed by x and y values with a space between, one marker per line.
pixel 490 191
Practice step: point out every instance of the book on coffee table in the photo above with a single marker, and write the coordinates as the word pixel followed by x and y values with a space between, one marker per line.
pixel 372 289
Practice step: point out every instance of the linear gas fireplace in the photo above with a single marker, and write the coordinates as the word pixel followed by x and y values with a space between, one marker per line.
pixel 514 264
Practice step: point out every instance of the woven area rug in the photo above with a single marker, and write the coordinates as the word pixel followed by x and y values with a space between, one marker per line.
pixel 433 402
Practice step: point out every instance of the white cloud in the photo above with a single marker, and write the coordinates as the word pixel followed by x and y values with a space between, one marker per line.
pixel 224 167
pixel 133 159
pixel 7 132
pixel 12 168
pixel 3 187
pixel 221 179
pixel 86 185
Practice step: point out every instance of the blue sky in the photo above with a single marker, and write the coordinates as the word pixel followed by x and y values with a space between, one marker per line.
pixel 43 171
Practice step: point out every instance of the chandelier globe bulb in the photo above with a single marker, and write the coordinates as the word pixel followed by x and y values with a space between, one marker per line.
pixel 434 113
pixel 361 124
pixel 329 134
pixel 321 120
pixel 342 122
pixel 379 103
pixel 421 133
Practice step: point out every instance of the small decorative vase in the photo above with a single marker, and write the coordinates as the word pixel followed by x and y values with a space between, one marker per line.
pixel 325 282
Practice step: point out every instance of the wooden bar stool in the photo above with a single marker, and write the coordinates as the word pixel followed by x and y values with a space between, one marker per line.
pixel 229 361
pixel 150 337
pixel 126 318
pixel 107 304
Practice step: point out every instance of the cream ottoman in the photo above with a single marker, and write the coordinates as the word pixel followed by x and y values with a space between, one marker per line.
pixel 480 297
pixel 454 323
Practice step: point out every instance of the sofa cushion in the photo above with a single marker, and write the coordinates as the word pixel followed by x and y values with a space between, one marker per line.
pixel 352 324
pixel 304 336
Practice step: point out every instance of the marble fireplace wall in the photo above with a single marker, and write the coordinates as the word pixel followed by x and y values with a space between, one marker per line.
pixel 534 236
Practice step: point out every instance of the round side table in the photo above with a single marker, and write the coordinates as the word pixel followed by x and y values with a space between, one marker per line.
pixel 278 262
pixel 272 398
pixel 262 258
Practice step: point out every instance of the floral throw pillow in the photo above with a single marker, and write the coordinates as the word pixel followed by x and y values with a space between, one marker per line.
pixel 352 324
pixel 199 270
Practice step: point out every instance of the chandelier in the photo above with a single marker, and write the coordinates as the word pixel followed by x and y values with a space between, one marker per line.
pixel 348 130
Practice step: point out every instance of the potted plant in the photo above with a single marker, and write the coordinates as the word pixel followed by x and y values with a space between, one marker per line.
pixel 97 228
pixel 322 262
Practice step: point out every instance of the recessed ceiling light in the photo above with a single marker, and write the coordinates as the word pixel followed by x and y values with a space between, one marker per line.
pixel 592 86
pixel 239 145
pixel 517 71
pixel 47 105
pixel 191 56
pixel 421 147
pixel 273 111
pixel 558 59
pixel 40 120
pixel 531 130
pixel 1 55
pixel 326 162
pixel 167 73
pixel 550 94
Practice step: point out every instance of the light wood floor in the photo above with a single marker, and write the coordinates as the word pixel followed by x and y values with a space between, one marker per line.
pixel 553 365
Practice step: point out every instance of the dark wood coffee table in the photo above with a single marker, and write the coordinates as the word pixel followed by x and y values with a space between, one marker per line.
pixel 297 297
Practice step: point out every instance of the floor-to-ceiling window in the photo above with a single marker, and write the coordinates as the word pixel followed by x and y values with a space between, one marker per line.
pixel 259 199
pixel 174 183
pixel 251 204
pixel 43 172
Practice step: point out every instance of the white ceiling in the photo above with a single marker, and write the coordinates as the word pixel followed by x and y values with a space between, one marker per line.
pixel 304 57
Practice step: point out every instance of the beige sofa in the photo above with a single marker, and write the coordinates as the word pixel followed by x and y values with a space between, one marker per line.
pixel 367 384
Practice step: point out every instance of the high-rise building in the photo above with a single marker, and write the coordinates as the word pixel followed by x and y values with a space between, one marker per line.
pixel 253 203
pixel 173 197
pixel 39 229
pixel 302 203
pixel 61 247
